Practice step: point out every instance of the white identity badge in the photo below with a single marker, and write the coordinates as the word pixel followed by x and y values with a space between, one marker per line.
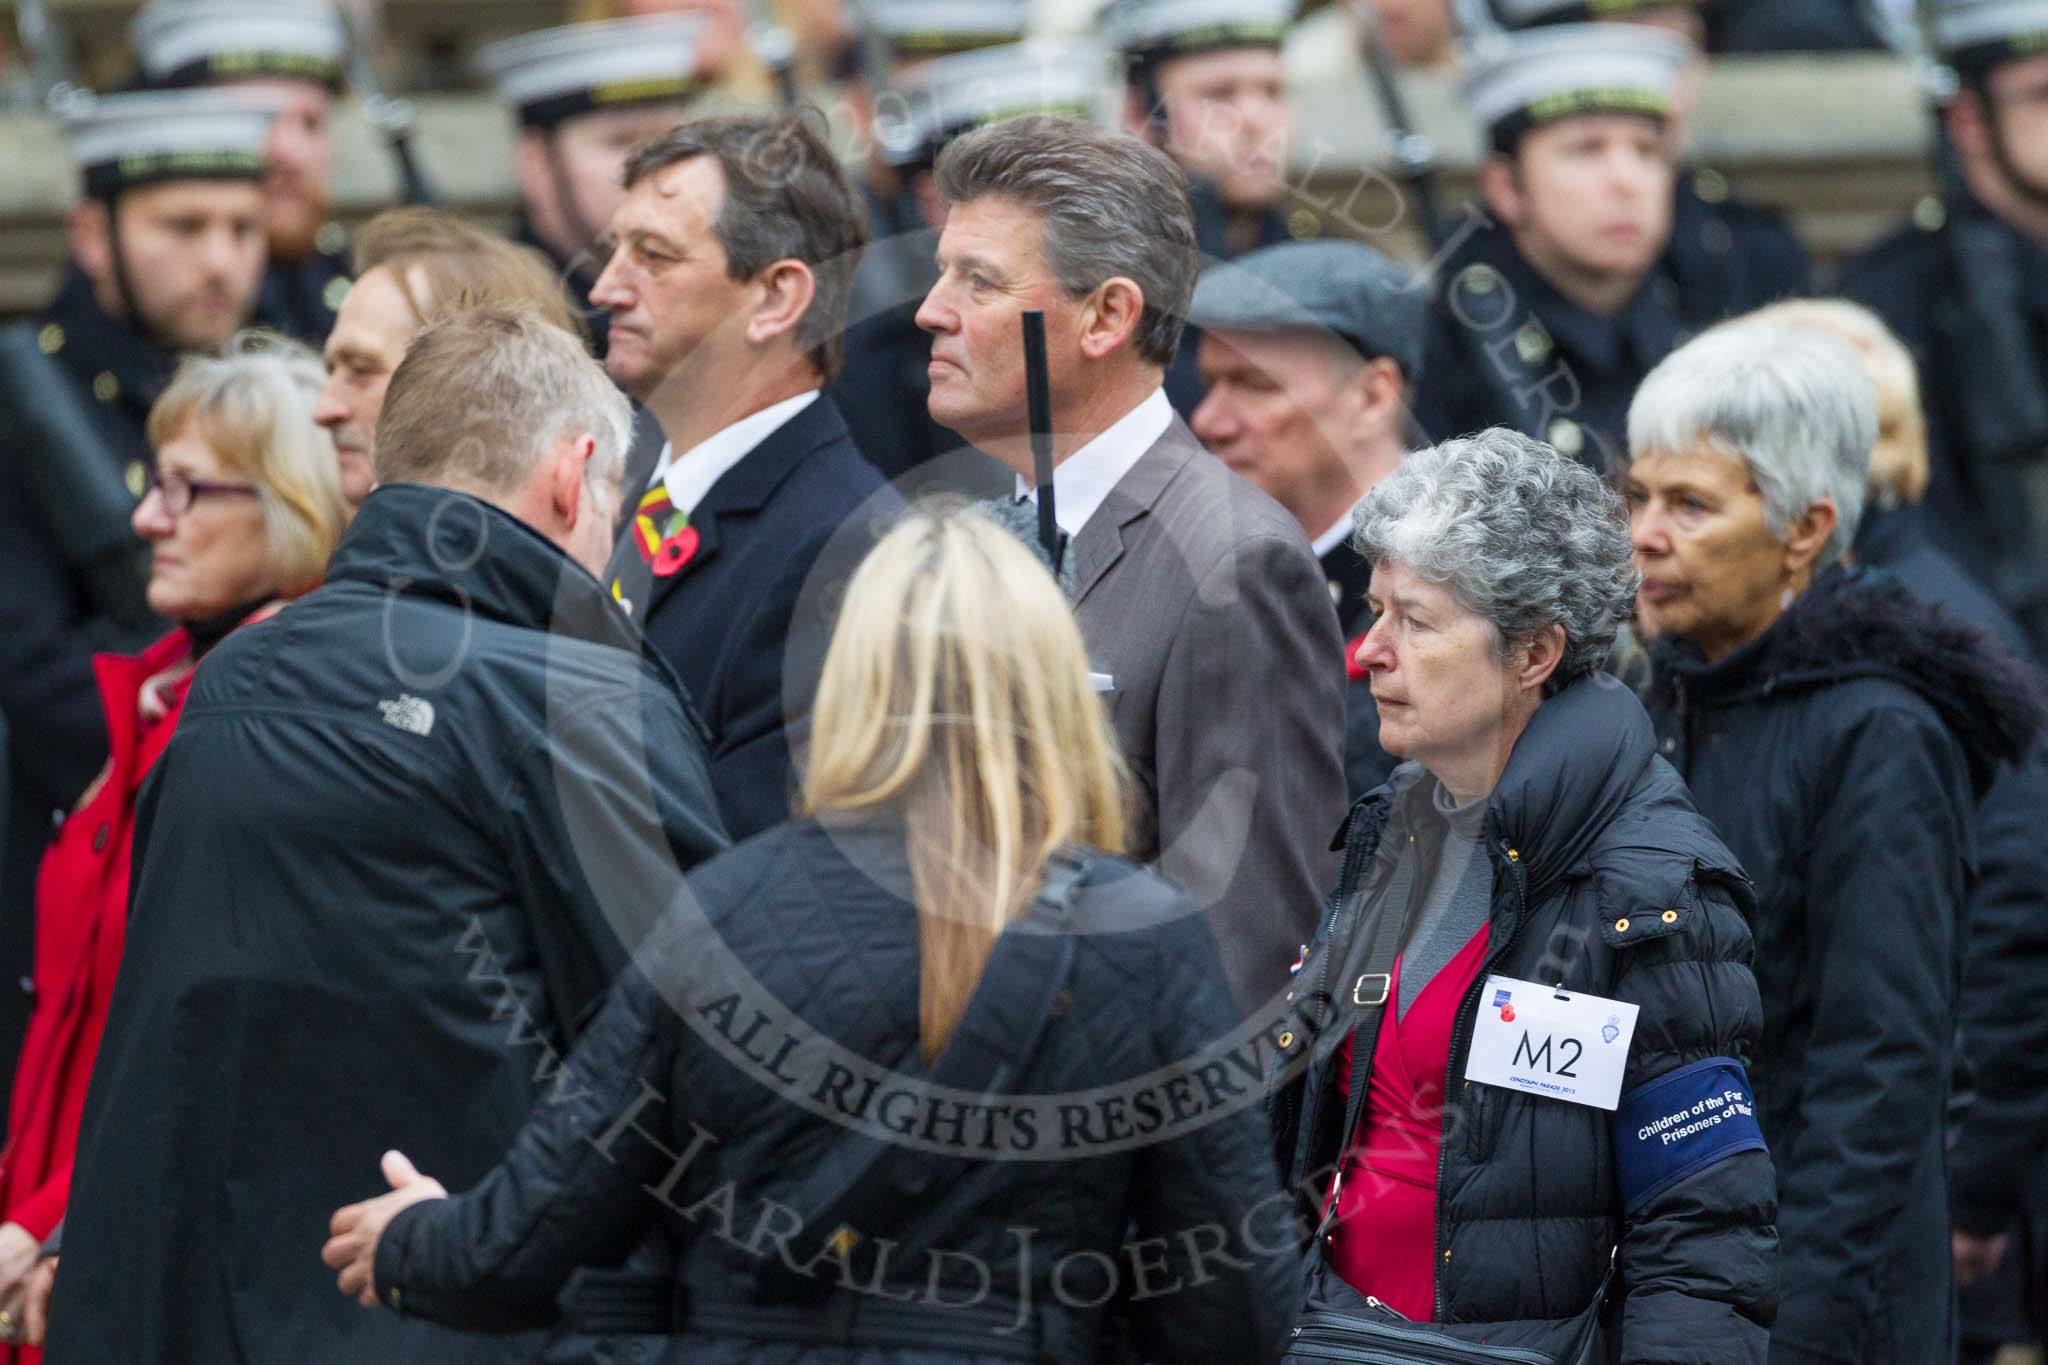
pixel 1540 1040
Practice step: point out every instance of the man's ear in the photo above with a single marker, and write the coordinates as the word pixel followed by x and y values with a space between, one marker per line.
pixel 566 484
pixel 1501 188
pixel 786 289
pixel 1110 317
pixel 1968 124
pixel 88 232
pixel 530 165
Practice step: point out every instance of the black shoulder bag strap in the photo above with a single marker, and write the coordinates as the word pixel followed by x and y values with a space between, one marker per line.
pixel 857 1192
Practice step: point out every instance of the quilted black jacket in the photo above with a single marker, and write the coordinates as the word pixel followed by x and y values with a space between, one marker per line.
pixel 1608 881
pixel 1842 753
pixel 1104 1195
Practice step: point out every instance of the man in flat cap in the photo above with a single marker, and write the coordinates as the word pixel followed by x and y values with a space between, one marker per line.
pixel 585 95
pixel 291 52
pixel 167 251
pixel 1310 351
pixel 1727 255
pixel 1205 612
pixel 1965 286
pixel 1551 312
pixel 884 386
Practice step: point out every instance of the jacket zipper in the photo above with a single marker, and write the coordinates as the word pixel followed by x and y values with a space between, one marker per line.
pixel 1458 1042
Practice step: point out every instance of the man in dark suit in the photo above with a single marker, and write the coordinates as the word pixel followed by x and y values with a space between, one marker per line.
pixel 729 264
pixel 1310 352
pixel 1204 609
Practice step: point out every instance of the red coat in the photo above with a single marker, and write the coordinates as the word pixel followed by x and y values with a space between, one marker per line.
pixel 81 923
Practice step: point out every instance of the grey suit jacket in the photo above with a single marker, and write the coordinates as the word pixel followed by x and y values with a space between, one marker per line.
pixel 1202 600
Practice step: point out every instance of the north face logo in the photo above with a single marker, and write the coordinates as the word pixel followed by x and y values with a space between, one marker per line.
pixel 409 713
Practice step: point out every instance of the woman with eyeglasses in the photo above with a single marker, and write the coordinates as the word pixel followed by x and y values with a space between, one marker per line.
pixel 243 509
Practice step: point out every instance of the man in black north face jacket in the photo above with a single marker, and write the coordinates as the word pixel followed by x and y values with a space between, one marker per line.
pixel 403 839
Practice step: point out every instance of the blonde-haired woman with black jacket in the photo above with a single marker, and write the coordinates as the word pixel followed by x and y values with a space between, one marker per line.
pixel 919 1075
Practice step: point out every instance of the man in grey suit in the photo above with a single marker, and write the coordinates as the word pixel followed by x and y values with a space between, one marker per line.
pixel 1205 611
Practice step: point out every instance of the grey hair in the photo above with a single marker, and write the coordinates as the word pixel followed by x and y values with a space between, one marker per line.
pixel 484 392
pixel 1793 404
pixel 1522 536
pixel 1109 205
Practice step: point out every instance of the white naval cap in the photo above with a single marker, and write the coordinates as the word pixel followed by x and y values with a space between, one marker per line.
pixel 936 28
pixel 1979 33
pixel 557 73
pixel 206 42
pixel 1165 28
pixel 949 95
pixel 120 142
pixel 1523 80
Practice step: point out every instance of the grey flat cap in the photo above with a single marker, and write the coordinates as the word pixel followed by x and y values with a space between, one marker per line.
pixel 1343 287
pixel 1976 33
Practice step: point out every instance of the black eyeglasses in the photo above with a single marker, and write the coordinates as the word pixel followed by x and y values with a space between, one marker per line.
pixel 180 492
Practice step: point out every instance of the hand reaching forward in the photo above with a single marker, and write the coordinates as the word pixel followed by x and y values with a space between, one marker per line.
pixel 352 1249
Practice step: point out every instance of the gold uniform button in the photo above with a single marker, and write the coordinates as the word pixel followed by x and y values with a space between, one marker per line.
pixel 1567 436
pixel 105 387
pixel 1286 1041
pixel 1930 214
pixel 336 290
pixel 843 1241
pixel 396 1298
pixel 136 478
pixel 1710 185
pixel 1514 855
pixel 1621 926
pixel 1669 917
pixel 331 239
pixel 1532 344
pixel 1304 226
pixel 51 339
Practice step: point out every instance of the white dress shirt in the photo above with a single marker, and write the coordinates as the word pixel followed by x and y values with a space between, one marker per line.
pixel 1332 538
pixel 689 476
pixel 1082 481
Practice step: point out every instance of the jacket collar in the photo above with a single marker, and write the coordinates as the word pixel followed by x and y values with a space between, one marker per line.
pixel 1864 623
pixel 1642 333
pixel 748 486
pixel 95 344
pixel 1101 542
pixel 1570 773
pixel 435 543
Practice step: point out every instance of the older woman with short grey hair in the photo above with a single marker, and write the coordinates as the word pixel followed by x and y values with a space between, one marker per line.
pixel 1837 730
pixel 1537 952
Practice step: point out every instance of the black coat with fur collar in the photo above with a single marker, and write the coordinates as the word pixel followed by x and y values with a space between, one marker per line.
pixel 1840 754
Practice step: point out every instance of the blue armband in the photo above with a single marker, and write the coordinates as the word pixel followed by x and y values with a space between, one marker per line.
pixel 1679 1123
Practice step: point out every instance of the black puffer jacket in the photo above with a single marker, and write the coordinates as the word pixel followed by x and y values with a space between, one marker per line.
pixel 708 1120
pixel 1840 753
pixel 1607 880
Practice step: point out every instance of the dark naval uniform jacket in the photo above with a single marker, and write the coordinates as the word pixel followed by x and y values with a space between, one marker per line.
pixel 1968 295
pixel 1729 256
pixel 300 298
pixel 1507 349
pixel 75 390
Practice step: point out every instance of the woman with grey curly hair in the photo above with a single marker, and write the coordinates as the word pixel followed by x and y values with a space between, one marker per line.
pixel 1536 954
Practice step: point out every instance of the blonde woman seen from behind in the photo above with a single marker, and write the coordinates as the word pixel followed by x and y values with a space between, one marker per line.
pixel 983 1039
